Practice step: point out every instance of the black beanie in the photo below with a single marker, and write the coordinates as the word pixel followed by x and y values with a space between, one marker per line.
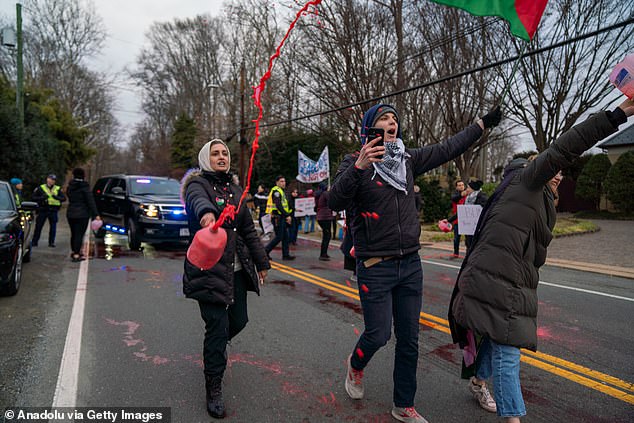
pixel 78 173
pixel 383 110
pixel 475 185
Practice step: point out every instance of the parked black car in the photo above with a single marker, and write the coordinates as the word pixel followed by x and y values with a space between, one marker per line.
pixel 146 208
pixel 16 233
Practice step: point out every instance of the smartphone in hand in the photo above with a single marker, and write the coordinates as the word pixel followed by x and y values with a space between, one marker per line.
pixel 375 133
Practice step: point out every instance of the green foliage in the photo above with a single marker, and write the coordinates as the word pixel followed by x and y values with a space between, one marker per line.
pixel 182 150
pixel 590 181
pixel 619 183
pixel 436 201
pixel 49 142
pixel 489 187
pixel 574 170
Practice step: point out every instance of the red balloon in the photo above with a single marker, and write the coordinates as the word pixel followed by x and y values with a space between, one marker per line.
pixel 207 247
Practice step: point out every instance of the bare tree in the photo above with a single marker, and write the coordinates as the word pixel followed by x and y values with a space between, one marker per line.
pixel 558 87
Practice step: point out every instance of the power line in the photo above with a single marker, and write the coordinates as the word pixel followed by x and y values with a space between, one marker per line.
pixel 453 76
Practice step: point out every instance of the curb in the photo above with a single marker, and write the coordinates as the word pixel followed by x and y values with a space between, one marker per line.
pixel 622 272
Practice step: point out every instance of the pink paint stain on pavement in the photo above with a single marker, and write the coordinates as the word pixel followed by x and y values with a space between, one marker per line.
pixel 248 359
pixel 544 333
pixel 130 341
pixel 197 360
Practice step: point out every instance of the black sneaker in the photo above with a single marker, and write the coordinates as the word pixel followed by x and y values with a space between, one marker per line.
pixel 288 258
pixel 51 245
pixel 324 258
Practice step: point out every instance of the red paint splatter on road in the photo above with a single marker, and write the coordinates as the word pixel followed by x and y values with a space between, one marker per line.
pixel 356 331
pixel 248 359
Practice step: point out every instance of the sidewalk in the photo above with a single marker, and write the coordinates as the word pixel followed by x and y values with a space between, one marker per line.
pixel 609 251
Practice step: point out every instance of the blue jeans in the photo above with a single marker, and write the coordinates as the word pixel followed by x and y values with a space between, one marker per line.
pixel 309 221
pixel 503 363
pixel 392 289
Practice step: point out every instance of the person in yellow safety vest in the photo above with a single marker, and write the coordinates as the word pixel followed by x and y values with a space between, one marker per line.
pixel 18 185
pixel 277 206
pixel 50 197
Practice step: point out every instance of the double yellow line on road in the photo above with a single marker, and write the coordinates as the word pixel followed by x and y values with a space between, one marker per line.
pixel 596 380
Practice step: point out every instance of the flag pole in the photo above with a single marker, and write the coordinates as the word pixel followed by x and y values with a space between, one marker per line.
pixel 513 72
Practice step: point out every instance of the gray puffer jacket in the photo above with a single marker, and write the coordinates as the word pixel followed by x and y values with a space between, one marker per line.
pixel 496 291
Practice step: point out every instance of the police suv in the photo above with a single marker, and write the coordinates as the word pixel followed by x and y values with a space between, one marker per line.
pixel 146 208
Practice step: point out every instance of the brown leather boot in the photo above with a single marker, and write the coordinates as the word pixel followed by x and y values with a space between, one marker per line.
pixel 215 403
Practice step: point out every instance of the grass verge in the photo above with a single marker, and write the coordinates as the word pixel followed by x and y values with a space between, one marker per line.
pixel 565 226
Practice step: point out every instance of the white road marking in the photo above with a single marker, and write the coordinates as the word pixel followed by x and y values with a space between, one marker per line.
pixel 554 285
pixel 66 388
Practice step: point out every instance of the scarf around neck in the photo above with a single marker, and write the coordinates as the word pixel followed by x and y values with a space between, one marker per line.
pixel 393 168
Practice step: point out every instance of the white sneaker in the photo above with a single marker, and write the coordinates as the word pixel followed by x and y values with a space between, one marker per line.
pixel 354 381
pixel 483 396
pixel 407 415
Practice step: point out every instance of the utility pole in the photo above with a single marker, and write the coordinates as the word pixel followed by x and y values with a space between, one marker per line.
pixel 19 86
pixel 242 139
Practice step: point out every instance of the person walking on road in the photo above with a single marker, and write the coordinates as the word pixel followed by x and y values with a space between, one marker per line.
pixel 49 197
pixel 277 206
pixel 475 197
pixel 325 219
pixel 376 188
pixel 493 309
pixel 221 291
pixel 259 200
pixel 457 198
pixel 81 207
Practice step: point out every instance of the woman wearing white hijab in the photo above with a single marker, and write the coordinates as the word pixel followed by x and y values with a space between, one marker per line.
pixel 221 291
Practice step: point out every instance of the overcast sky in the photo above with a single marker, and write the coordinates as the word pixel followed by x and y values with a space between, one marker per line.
pixel 126 23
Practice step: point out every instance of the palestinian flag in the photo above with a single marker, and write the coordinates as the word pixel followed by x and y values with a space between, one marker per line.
pixel 523 16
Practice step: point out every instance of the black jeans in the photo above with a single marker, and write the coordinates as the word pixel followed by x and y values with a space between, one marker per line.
pixel 392 289
pixel 281 234
pixel 222 323
pixel 326 236
pixel 77 231
pixel 456 239
pixel 42 216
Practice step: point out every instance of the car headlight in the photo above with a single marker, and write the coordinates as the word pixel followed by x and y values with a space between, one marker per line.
pixel 150 210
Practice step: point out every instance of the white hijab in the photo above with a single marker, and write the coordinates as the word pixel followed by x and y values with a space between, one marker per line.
pixel 203 155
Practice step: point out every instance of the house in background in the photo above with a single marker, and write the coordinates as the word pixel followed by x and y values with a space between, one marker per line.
pixel 619 143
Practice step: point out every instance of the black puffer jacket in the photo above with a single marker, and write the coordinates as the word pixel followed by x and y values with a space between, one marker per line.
pixel 496 292
pixel 385 221
pixel 205 192
pixel 81 203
